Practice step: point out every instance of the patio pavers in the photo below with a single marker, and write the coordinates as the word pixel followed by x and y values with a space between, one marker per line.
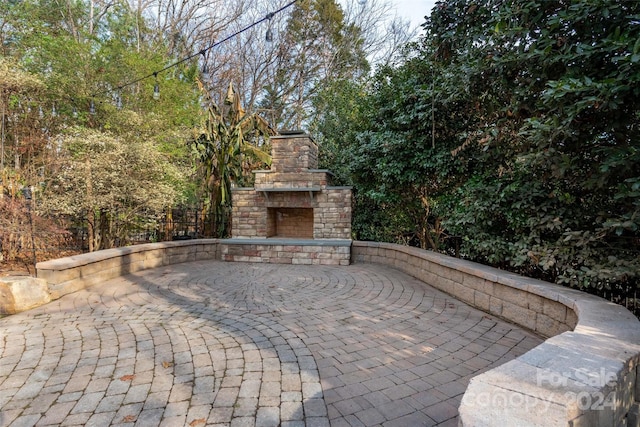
pixel 242 344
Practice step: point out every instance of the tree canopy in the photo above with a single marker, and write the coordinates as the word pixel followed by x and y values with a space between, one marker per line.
pixel 510 133
pixel 506 133
pixel 108 108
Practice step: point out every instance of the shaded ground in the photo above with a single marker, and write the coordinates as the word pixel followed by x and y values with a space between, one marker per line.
pixel 15 268
pixel 239 344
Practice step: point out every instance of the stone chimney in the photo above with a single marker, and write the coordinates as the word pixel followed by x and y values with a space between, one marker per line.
pixel 294 200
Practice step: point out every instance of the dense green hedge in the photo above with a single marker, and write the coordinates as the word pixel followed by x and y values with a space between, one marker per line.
pixel 511 125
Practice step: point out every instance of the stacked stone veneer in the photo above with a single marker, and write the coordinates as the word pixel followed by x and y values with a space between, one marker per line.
pixel 331 213
pixel 287 251
pixel 292 201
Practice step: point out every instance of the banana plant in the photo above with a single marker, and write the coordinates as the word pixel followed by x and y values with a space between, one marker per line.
pixel 226 143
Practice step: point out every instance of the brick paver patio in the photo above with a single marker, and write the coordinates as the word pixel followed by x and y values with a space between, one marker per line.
pixel 239 344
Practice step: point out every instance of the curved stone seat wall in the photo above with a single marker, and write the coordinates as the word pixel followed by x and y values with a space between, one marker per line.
pixel 66 275
pixel 584 374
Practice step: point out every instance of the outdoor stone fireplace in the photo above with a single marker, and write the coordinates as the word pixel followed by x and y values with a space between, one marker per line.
pixel 293 214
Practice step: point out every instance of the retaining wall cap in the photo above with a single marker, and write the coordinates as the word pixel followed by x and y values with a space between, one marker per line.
pixel 607 319
pixel 596 346
pixel 92 257
pixel 521 377
pixel 486 413
pixel 559 355
pixel 285 242
pixel 537 403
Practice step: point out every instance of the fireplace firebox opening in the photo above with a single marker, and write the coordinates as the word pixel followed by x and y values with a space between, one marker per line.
pixel 290 222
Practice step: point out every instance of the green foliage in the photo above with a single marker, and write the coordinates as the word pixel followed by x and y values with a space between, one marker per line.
pixel 103 176
pixel 387 149
pixel 513 125
pixel 340 117
pixel 229 144
pixel 559 88
pixel 319 48
pixel 78 61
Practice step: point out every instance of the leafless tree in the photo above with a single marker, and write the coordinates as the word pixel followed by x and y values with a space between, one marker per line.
pixel 383 31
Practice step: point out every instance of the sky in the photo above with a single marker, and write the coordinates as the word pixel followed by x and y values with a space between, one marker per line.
pixel 414 10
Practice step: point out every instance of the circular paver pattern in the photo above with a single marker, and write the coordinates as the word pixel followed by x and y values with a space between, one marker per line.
pixel 241 344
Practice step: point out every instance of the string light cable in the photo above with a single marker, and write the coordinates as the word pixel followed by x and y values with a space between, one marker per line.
pixel 202 52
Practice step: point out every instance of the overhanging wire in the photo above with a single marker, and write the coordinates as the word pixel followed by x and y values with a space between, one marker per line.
pixel 268 17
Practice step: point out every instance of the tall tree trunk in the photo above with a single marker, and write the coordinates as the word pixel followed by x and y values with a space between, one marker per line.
pixel 91 13
pixel 168 227
pixel 90 230
pixel 104 232
pixel 90 213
